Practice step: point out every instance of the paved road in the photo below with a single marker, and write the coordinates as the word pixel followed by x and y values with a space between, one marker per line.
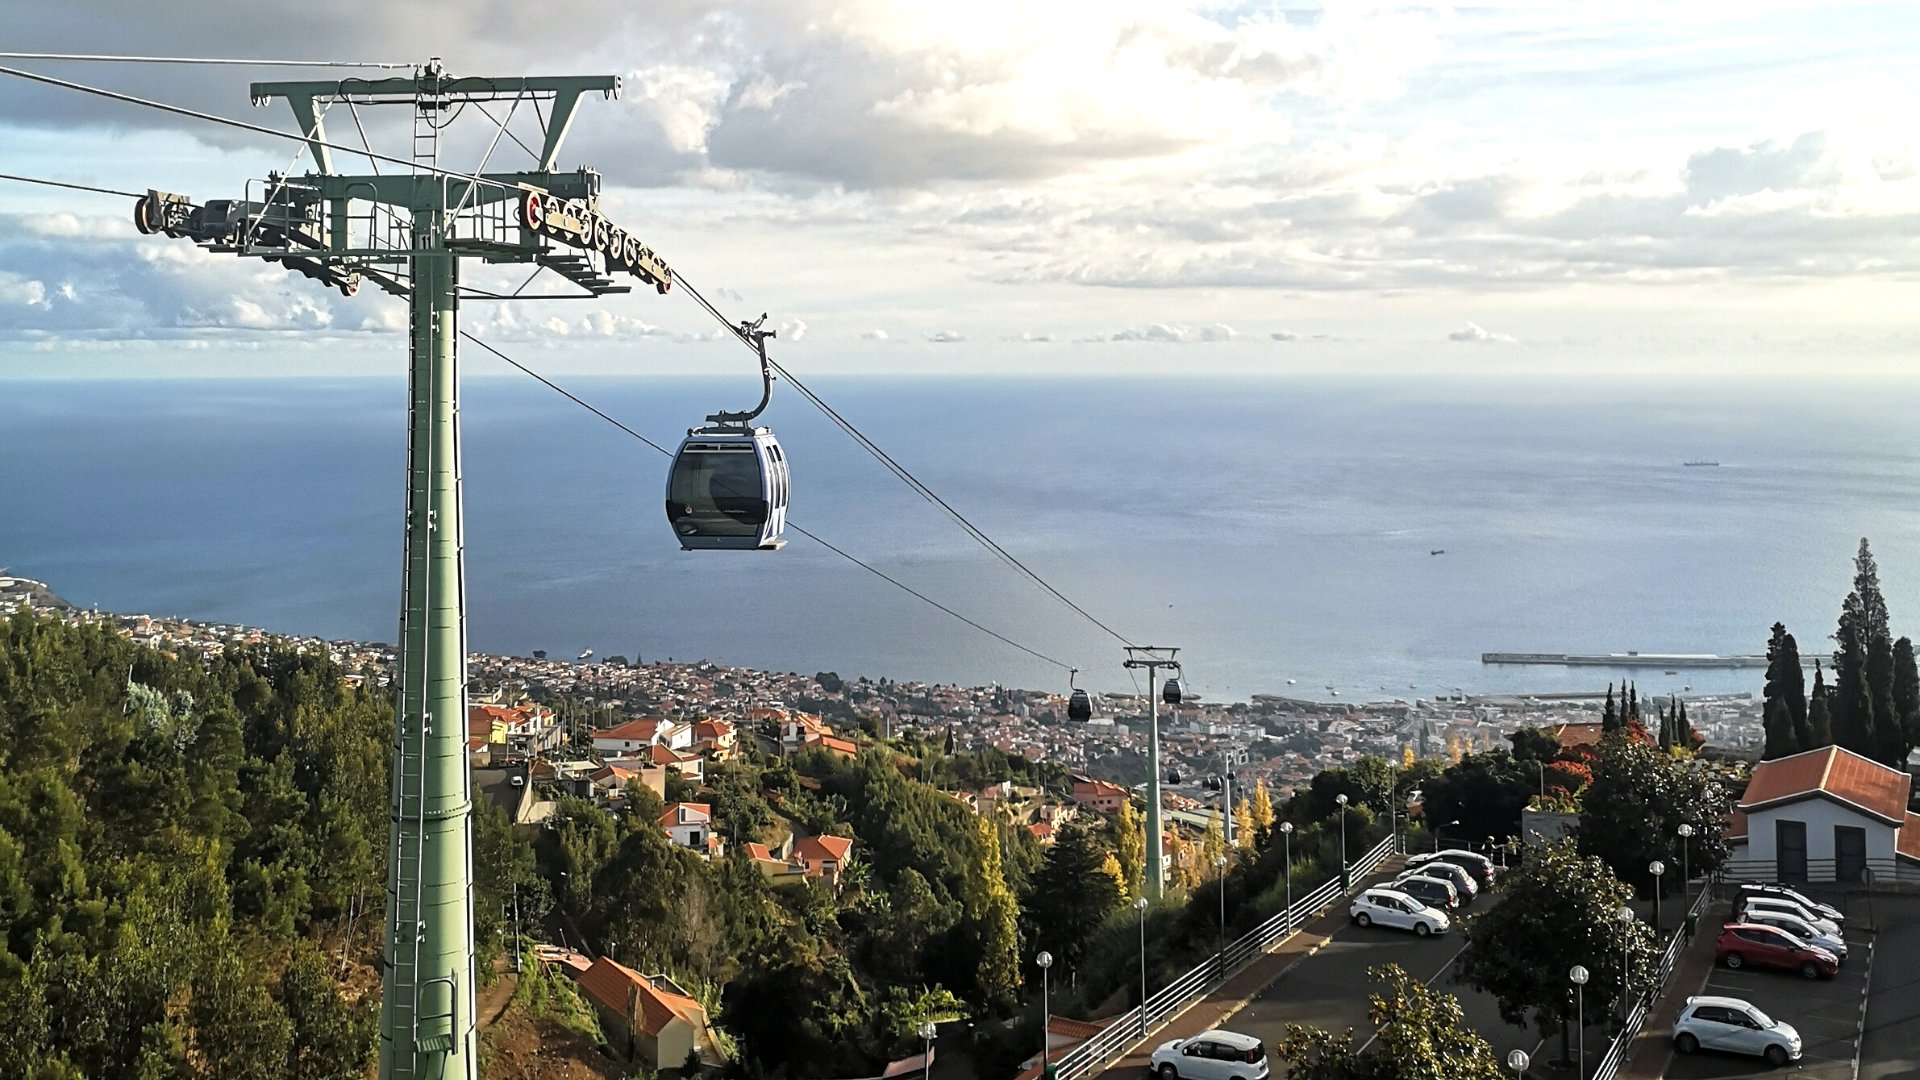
pixel 1330 990
pixel 1890 1045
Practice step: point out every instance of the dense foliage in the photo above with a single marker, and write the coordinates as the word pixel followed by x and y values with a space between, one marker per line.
pixel 182 848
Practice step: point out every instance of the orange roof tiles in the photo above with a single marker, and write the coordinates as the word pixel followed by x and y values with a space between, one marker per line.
pixel 1834 772
pixel 1908 839
pixel 760 852
pixel 1579 734
pixel 817 849
pixel 671 815
pixel 642 730
pixel 610 983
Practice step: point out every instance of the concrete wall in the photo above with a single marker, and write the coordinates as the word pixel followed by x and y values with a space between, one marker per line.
pixel 1820 816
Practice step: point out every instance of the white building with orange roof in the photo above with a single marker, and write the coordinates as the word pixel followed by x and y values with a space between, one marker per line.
pixel 635 736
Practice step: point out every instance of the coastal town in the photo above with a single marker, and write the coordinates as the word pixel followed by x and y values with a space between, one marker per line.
pixel 640 719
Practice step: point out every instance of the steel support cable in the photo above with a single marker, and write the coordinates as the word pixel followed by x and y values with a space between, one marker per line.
pixel 905 475
pixel 180 110
pixel 854 559
pixel 75 187
pixel 111 59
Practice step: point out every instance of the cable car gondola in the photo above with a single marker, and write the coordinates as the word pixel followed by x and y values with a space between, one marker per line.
pixel 1079 703
pixel 1171 692
pixel 1173 776
pixel 727 489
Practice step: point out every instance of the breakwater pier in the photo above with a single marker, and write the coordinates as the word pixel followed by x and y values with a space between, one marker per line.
pixel 1674 661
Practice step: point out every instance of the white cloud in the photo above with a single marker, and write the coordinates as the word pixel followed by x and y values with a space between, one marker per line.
pixel 1476 332
pixel 792 330
pixel 1163 332
pixel 874 335
pixel 944 337
pixel 1282 335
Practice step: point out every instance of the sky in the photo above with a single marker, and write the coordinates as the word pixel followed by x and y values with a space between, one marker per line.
pixel 1047 187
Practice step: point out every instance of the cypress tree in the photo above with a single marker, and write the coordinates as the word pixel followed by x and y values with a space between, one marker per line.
pixel 1683 728
pixel 1864 714
pixel 1787 685
pixel 1906 699
pixel 1608 722
pixel 1850 702
pixel 1819 723
pixel 1633 703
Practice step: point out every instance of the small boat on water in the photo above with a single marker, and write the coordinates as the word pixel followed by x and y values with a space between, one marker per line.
pixel 1438 551
pixel 1701 464
pixel 1670 671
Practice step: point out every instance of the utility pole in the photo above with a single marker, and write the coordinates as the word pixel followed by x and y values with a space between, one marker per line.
pixel 406 229
pixel 1153 658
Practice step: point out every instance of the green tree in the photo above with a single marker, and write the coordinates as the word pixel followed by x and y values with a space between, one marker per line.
pixel 1864 716
pixel 1071 895
pixel 1819 712
pixel 992 920
pixel 1906 698
pixel 238 1030
pixel 1785 697
pixel 331 1039
pixel 1421 1037
pixel 1555 910
pixel 1532 744
pixel 1485 792
pixel 1639 797
pixel 1130 846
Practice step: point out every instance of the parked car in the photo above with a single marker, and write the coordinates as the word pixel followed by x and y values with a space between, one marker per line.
pixel 1736 1027
pixel 1768 903
pixel 1797 926
pixel 1782 892
pixel 1211 1055
pixel 1391 907
pixel 1455 873
pixel 1431 891
pixel 1478 865
pixel 1743 944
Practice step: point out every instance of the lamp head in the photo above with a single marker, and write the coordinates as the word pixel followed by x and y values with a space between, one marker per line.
pixel 1578 975
pixel 927 1030
pixel 1286 827
pixel 1045 960
pixel 1685 829
pixel 1341 798
pixel 1140 904
pixel 1656 868
pixel 1518 1061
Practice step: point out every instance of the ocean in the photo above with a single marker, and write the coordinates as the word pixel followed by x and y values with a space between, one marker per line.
pixel 1277 529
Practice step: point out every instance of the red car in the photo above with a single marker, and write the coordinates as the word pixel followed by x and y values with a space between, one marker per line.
pixel 1742 944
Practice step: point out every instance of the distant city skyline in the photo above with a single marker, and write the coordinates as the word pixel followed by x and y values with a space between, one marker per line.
pixel 995 187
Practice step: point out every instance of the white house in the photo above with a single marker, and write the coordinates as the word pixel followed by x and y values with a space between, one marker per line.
pixel 634 736
pixel 1825 815
pixel 690 825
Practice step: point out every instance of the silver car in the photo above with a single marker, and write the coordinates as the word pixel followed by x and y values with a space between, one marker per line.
pixel 1735 1027
pixel 1798 927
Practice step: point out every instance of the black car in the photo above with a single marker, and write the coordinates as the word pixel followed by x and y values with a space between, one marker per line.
pixel 1473 863
pixel 1430 891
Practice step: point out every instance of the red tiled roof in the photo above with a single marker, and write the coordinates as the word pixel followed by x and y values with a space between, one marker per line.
pixel 1908 838
pixel 760 852
pixel 839 746
pixel 1579 734
pixel 816 849
pixel 644 729
pixel 1836 773
pixel 671 815
pixel 1041 829
pixel 610 982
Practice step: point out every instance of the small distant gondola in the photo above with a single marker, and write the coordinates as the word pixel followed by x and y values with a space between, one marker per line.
pixel 1170 693
pixel 728 487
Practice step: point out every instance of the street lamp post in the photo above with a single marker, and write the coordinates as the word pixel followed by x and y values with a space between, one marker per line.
pixel 1686 860
pixel 927 1033
pixel 1440 832
pixel 1656 868
pixel 1220 880
pixel 1140 905
pixel 1341 799
pixel 1518 1062
pixel 1625 915
pixel 1045 960
pixel 1286 843
pixel 1579 977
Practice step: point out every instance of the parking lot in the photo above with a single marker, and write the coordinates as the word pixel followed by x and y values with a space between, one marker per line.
pixel 1330 990
pixel 1864 1022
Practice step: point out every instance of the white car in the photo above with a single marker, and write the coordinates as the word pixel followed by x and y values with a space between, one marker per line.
pixel 1391 907
pixel 1736 1027
pixel 1211 1055
pixel 1798 927
pixel 1788 907
pixel 1825 911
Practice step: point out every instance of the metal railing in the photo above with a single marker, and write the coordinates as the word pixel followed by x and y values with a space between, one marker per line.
pixel 1859 873
pixel 1622 1048
pixel 1133 1027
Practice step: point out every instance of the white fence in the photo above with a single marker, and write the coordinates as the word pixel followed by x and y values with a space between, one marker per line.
pixel 1616 1057
pixel 1132 1027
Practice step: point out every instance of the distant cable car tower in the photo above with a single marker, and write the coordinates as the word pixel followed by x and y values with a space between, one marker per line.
pixel 406 231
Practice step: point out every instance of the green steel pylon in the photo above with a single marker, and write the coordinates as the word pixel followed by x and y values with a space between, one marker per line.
pixel 407 231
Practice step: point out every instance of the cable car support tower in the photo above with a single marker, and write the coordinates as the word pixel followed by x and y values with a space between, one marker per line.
pixel 407 230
